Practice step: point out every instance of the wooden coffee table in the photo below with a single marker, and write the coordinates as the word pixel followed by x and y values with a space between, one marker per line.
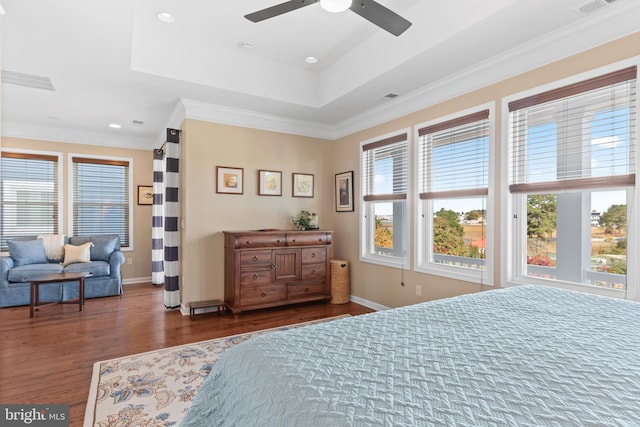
pixel 56 278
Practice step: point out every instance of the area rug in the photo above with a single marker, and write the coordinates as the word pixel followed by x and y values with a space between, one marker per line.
pixel 155 388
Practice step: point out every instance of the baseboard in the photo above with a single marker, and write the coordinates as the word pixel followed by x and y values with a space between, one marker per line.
pixel 136 280
pixel 372 305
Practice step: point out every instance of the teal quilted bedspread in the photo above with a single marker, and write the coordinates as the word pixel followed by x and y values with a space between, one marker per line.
pixel 522 356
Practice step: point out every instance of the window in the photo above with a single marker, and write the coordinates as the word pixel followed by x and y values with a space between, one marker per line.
pixel 453 186
pixel 384 205
pixel 30 198
pixel 572 179
pixel 101 198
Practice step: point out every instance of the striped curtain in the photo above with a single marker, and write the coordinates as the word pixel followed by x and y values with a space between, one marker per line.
pixel 166 210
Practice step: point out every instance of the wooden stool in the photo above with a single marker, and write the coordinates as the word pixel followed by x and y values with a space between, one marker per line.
pixel 206 304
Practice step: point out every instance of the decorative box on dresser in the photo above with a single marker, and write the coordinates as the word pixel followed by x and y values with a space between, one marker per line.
pixel 270 268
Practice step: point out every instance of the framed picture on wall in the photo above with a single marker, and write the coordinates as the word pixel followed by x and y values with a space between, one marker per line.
pixel 344 192
pixel 302 185
pixel 229 180
pixel 145 194
pixel 269 183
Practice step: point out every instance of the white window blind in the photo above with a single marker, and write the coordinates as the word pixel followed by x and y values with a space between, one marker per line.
pixel 29 195
pixel 575 137
pixel 385 169
pixel 454 157
pixel 101 198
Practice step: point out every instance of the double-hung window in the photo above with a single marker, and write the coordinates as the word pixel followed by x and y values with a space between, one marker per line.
pixel 572 178
pixel 30 197
pixel 101 198
pixel 453 187
pixel 385 171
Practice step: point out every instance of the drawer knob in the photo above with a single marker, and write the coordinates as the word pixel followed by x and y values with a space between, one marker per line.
pixel 264 294
pixel 248 242
pixel 273 266
pixel 306 290
pixel 313 271
pixel 255 276
pixel 255 258
pixel 294 240
pixel 313 255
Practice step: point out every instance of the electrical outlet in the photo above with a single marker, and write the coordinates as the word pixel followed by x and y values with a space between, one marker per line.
pixel 129 261
pixel 419 290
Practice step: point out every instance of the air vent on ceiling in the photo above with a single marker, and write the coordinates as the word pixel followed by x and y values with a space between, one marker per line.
pixel 27 80
pixel 137 122
pixel 391 95
pixel 592 6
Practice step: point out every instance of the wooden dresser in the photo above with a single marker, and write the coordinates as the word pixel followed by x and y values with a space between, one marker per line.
pixel 270 268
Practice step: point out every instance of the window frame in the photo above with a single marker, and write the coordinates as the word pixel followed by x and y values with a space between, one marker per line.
pixel 367 206
pixel 105 159
pixel 424 209
pixel 60 179
pixel 513 229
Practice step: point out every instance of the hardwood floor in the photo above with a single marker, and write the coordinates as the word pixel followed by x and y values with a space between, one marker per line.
pixel 49 359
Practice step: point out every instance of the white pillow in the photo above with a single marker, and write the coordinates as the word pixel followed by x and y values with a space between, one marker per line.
pixel 80 253
pixel 53 246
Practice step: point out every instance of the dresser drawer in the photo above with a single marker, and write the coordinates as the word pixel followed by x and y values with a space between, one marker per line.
pixel 313 255
pixel 314 271
pixel 255 295
pixel 304 290
pixel 308 238
pixel 255 277
pixel 255 258
pixel 259 240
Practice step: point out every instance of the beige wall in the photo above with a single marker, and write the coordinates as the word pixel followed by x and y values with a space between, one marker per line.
pixel 382 284
pixel 140 267
pixel 206 214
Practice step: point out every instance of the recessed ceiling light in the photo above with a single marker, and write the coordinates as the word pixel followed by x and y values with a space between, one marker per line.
pixel 166 17
pixel 248 46
pixel 114 126
pixel 311 59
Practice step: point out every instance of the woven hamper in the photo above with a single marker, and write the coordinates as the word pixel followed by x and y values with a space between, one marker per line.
pixel 340 292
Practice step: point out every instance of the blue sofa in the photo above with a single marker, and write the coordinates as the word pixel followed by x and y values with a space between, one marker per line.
pixel 26 262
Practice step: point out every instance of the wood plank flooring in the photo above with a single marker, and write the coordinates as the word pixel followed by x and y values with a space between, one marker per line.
pixel 49 359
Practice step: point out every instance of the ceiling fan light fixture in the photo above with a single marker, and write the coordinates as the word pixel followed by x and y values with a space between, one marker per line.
pixel 335 6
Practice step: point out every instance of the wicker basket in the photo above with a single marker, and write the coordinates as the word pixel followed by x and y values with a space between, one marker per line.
pixel 340 292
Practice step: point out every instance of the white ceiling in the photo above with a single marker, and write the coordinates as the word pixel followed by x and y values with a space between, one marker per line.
pixel 112 61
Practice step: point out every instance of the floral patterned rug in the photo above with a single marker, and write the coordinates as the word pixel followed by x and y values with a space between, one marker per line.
pixel 155 388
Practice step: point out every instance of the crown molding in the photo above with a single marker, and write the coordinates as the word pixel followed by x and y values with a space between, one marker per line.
pixel 573 39
pixel 570 41
pixel 74 136
pixel 251 119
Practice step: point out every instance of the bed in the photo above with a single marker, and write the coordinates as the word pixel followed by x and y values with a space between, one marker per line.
pixel 520 356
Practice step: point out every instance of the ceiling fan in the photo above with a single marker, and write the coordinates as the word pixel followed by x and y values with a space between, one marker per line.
pixel 368 9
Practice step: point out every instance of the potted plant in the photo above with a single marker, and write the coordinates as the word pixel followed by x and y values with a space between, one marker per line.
pixel 305 220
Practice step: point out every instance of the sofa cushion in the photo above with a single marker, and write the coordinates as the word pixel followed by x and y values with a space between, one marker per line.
pixel 95 268
pixel 25 252
pixel 27 272
pixel 104 245
pixel 53 246
pixel 73 253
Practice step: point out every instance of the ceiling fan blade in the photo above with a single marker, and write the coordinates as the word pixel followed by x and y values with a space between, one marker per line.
pixel 381 16
pixel 278 9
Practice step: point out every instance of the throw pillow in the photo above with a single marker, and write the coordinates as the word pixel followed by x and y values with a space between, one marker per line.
pixel 53 246
pixel 25 252
pixel 73 253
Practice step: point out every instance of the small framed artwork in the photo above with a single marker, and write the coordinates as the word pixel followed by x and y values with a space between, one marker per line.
pixel 269 183
pixel 229 180
pixel 302 185
pixel 344 192
pixel 145 194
